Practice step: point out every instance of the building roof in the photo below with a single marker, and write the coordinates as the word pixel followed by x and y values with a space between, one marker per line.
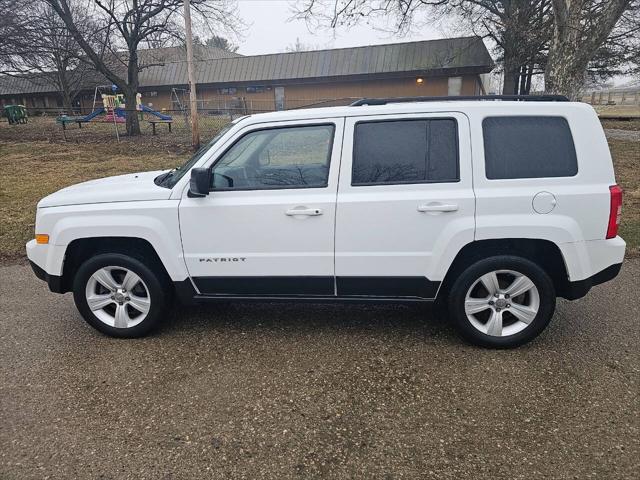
pixel 173 54
pixel 43 82
pixel 445 56
pixel 467 53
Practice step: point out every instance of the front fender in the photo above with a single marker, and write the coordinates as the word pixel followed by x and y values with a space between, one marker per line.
pixel 153 221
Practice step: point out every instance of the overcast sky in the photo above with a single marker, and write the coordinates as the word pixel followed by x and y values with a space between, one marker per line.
pixel 269 31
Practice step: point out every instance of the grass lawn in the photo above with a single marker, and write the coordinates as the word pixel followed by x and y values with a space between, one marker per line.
pixel 622 125
pixel 626 161
pixel 33 165
pixel 35 169
pixel 604 111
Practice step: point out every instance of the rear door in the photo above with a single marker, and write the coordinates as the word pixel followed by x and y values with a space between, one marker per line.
pixel 405 203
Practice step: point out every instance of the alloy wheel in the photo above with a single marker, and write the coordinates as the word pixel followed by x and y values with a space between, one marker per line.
pixel 502 303
pixel 118 297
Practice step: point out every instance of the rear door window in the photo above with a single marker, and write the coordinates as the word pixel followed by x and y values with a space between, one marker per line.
pixel 528 147
pixel 405 151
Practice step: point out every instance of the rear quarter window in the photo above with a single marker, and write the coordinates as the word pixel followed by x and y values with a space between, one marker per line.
pixel 528 147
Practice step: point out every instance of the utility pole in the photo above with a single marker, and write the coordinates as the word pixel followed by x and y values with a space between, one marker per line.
pixel 193 99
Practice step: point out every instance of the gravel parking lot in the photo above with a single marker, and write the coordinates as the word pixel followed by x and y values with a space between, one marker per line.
pixel 316 391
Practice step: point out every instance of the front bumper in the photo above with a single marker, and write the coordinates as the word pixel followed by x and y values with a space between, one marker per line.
pixel 40 258
pixel 54 281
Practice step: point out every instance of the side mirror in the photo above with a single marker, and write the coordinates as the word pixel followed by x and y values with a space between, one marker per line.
pixel 200 183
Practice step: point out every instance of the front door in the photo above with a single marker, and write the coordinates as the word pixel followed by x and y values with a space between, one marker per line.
pixel 267 227
pixel 405 203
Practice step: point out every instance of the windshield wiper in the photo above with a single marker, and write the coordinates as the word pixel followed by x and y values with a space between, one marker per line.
pixel 160 179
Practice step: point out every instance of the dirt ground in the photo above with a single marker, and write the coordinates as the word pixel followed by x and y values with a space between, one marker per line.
pixel 316 391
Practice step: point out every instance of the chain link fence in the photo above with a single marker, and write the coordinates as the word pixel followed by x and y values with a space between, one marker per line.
pixel 54 124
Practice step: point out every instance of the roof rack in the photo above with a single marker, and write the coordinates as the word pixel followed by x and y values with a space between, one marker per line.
pixel 479 98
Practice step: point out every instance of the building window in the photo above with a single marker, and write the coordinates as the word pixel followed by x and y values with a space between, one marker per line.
pixel 255 89
pixel 151 94
pixel 227 91
pixel 455 86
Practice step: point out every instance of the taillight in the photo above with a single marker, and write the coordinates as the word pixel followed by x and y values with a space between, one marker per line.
pixel 615 213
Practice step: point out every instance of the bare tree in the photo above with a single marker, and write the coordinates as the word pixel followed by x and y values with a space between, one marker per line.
pixel 620 54
pixel 123 26
pixel 562 38
pixel 12 41
pixel 518 28
pixel 49 52
pixel 580 30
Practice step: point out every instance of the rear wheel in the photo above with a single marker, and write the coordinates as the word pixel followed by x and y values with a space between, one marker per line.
pixel 502 302
pixel 119 295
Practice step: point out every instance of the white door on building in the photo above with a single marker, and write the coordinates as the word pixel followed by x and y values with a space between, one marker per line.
pixel 279 95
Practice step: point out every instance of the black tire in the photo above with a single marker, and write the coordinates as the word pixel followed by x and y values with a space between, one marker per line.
pixel 461 286
pixel 153 280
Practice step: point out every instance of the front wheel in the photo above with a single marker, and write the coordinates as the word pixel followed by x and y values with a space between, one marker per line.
pixel 502 302
pixel 119 295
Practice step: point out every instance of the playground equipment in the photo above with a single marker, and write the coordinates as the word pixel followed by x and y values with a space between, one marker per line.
pixel 16 114
pixel 114 110
pixel 113 106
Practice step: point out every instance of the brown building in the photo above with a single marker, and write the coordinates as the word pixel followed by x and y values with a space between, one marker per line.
pixel 290 80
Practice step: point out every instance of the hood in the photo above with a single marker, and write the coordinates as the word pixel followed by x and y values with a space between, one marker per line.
pixel 122 188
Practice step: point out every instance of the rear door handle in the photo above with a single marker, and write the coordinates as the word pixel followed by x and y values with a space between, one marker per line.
pixel 310 212
pixel 438 207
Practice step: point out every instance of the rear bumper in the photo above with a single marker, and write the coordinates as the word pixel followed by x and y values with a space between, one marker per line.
pixel 579 289
pixel 586 259
pixel 54 281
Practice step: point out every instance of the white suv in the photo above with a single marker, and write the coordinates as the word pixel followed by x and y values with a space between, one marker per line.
pixel 491 208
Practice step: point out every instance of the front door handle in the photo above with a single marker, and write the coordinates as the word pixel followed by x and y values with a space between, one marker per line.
pixel 309 212
pixel 438 207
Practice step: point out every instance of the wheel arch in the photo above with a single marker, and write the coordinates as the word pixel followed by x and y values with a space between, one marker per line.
pixel 542 252
pixel 81 249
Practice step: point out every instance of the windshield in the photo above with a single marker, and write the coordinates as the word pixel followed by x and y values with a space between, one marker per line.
pixel 170 178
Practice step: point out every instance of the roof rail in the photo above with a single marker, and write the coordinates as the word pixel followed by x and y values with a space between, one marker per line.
pixel 512 98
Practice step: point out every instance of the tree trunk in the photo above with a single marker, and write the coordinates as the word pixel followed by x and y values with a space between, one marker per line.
pixel 133 123
pixel 567 63
pixel 575 41
pixel 527 85
pixel 565 75
pixel 62 82
pixel 130 94
pixel 523 80
pixel 67 102
pixel 511 74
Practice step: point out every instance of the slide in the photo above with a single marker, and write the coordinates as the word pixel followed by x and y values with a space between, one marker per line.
pixel 161 116
pixel 92 115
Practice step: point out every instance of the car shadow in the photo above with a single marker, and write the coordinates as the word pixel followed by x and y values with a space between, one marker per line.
pixel 281 318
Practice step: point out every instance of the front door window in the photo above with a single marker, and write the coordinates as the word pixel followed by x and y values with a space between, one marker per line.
pixel 296 157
